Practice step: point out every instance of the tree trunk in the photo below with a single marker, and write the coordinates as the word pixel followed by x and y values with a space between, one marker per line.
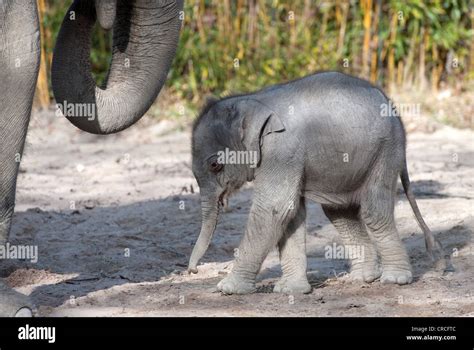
pixel 367 7
pixel 41 99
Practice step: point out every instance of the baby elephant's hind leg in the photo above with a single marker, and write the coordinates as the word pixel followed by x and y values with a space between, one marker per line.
pixel 364 265
pixel 292 248
pixel 377 212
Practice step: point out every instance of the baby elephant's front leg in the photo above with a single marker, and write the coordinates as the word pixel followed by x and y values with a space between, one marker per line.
pixel 292 248
pixel 268 216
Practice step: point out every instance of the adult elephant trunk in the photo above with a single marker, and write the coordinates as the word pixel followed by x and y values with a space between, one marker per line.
pixel 145 37
pixel 210 211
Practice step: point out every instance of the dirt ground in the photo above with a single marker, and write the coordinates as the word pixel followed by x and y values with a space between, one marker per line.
pixel 115 219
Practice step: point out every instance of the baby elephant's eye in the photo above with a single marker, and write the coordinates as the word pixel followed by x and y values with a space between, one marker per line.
pixel 215 167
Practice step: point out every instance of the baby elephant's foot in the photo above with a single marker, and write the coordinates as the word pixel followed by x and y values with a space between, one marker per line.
pixel 292 286
pixel 365 273
pixel 396 275
pixel 233 284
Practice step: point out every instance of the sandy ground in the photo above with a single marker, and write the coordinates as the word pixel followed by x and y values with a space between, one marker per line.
pixel 115 218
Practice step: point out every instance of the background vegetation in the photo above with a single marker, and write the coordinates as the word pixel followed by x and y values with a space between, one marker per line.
pixel 243 45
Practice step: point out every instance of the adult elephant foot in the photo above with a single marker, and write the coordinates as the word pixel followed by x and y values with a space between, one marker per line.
pixel 14 304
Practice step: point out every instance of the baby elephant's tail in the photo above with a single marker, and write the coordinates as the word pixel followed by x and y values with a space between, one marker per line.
pixel 433 246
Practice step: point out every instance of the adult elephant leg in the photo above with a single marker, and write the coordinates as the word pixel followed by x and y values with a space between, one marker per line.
pixel 292 247
pixel 14 304
pixel 364 265
pixel 19 62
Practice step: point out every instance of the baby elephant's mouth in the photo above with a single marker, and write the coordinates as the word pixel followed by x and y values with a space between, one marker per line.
pixel 221 197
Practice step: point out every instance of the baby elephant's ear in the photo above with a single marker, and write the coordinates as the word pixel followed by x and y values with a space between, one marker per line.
pixel 256 121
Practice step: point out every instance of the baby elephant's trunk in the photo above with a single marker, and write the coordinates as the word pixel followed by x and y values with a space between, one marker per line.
pixel 210 211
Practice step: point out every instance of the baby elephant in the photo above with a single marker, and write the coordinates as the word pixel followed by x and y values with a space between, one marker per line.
pixel 329 137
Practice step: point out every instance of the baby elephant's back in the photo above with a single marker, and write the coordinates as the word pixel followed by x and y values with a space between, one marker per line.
pixel 340 123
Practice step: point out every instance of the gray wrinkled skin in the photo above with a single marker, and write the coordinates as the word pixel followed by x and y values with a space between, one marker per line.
pixel 145 37
pixel 322 138
pixel 19 63
pixel 145 40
